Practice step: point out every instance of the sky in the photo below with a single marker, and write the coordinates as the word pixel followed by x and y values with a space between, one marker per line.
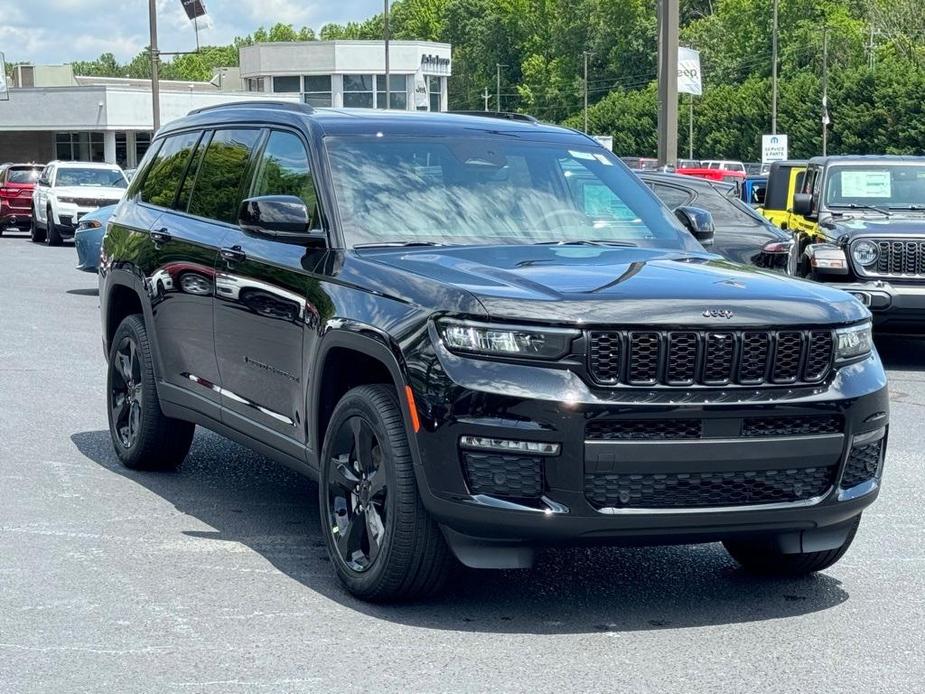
pixel 60 31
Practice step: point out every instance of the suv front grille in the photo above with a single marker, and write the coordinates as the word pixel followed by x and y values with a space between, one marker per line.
pixel 899 258
pixel 667 429
pixel 705 489
pixel 862 464
pixel 643 429
pixel 807 425
pixel 711 358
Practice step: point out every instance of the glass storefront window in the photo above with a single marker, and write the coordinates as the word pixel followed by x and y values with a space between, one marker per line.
pixel 433 88
pixel 79 146
pixel 358 91
pixel 287 84
pixel 398 86
pixel 317 90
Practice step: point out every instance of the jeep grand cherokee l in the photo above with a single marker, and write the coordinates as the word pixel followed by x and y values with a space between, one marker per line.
pixel 475 356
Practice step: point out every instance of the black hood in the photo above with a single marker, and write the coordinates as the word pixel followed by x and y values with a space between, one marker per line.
pixel 898 224
pixel 601 285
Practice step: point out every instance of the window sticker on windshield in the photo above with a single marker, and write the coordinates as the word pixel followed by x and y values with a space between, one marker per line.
pixel 603 160
pixel 581 155
pixel 865 184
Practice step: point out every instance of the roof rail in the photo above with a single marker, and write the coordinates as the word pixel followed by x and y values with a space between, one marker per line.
pixel 505 115
pixel 283 105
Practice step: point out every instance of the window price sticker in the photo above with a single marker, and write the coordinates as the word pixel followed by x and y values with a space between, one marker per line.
pixel 865 184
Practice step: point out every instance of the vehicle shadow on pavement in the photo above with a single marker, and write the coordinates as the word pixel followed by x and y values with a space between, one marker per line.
pixel 901 352
pixel 251 500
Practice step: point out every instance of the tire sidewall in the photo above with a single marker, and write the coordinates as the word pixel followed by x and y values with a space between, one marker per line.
pixel 133 328
pixel 355 404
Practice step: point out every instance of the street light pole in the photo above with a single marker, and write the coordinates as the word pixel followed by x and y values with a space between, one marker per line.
pixel 388 90
pixel 774 72
pixel 155 86
pixel 498 87
pixel 825 90
pixel 586 91
pixel 668 20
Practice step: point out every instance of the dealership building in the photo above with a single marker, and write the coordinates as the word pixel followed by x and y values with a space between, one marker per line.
pixel 53 114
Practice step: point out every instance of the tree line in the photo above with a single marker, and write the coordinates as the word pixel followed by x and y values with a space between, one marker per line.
pixel 875 66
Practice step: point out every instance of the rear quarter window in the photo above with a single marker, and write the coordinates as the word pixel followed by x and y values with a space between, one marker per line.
pixel 217 192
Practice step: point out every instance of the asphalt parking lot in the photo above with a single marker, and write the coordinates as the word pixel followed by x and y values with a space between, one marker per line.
pixel 215 579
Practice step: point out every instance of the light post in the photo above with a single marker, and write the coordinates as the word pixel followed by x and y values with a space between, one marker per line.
pixel 388 87
pixel 155 87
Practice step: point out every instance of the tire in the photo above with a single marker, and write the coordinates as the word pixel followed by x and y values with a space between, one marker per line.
pixel 766 560
pixel 36 235
pixel 411 559
pixel 52 237
pixel 143 437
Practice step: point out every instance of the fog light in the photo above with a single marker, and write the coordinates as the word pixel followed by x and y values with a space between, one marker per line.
pixel 508 446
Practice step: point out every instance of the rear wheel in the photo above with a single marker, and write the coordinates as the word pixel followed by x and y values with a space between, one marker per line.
pixel 52 237
pixel 766 559
pixel 144 438
pixel 382 542
pixel 36 233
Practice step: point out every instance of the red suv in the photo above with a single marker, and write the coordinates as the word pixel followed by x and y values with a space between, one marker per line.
pixel 16 184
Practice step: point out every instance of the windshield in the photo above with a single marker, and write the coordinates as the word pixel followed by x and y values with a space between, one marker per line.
pixel 111 178
pixel 23 175
pixel 489 191
pixel 878 185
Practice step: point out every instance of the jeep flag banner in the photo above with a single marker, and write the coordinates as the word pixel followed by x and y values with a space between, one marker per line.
pixel 421 97
pixel 194 8
pixel 689 81
pixel 4 88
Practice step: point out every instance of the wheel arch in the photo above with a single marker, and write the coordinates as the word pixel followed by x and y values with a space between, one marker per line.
pixel 348 357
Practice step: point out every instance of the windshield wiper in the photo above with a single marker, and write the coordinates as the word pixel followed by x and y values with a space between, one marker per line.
pixel 855 206
pixel 912 207
pixel 398 244
pixel 586 242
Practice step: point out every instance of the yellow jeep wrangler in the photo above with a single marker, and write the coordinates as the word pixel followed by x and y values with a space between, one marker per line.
pixel 784 179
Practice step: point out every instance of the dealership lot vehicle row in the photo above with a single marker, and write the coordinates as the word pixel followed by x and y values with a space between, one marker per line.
pixel 202 579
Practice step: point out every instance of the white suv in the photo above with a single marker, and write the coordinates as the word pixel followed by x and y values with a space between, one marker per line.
pixel 66 191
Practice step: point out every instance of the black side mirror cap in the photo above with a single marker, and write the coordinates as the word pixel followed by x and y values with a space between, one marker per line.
pixel 802 204
pixel 281 217
pixel 699 222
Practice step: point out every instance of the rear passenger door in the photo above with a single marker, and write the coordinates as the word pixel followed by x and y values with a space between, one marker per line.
pixel 196 184
pixel 262 309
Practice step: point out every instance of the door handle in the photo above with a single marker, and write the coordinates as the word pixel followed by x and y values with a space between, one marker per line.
pixel 233 254
pixel 160 236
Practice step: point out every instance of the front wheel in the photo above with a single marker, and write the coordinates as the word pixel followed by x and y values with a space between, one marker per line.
pixel 144 438
pixel 52 237
pixel 382 542
pixel 766 559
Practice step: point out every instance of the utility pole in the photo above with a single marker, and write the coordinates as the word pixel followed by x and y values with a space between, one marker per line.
pixel 586 54
pixel 155 86
pixel 388 87
pixel 668 19
pixel 498 87
pixel 774 32
pixel 690 126
pixel 825 90
pixel 486 96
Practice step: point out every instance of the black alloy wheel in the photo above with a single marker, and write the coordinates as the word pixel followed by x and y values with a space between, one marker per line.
pixel 357 494
pixel 126 390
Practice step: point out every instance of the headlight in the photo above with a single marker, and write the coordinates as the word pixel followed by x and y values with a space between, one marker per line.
pixel 853 342
pixel 506 340
pixel 865 252
pixel 89 224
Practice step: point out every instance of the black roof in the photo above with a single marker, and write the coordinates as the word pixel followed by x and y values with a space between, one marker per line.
pixel 347 120
pixel 866 159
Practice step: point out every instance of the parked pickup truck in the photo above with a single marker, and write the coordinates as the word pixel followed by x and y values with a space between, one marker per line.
pixel 784 179
pixel 860 222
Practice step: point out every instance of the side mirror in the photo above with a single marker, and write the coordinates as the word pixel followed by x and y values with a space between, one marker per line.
pixel 802 204
pixel 699 222
pixel 282 217
pixel 43 182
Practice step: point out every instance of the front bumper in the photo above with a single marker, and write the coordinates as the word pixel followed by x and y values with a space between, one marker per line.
pixel 87 242
pixel 524 403
pixel 895 307
pixel 69 215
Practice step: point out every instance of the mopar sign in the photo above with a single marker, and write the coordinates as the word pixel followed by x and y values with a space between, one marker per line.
pixel 773 148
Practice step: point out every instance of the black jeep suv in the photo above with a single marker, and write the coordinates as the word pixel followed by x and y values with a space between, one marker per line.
pixel 475 349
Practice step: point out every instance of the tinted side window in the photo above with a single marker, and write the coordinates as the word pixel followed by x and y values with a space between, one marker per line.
pixel 670 195
pixel 283 170
pixel 162 179
pixel 217 191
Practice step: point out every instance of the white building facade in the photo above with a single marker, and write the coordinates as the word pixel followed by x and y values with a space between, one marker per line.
pixel 350 74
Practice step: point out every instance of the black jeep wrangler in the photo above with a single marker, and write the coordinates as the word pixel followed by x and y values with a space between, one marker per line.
pixel 861 223
pixel 476 351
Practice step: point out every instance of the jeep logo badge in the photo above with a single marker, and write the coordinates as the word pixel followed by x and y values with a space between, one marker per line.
pixel 718 313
